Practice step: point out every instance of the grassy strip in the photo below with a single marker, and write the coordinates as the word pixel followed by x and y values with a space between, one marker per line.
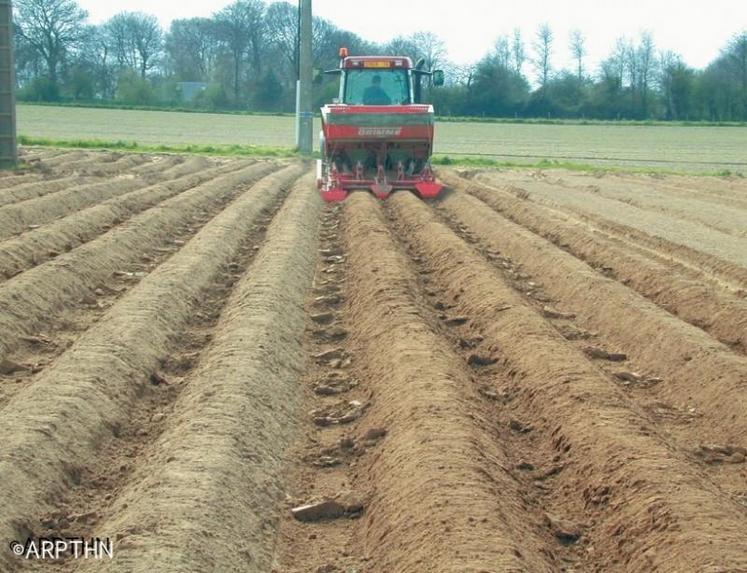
pixel 484 162
pixel 164 108
pixel 220 150
pixel 578 121
pixel 281 152
pixel 441 118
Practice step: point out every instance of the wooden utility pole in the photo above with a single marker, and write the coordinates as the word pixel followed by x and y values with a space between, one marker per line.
pixel 8 143
pixel 305 113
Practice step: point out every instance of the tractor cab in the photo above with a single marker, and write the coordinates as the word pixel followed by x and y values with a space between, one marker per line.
pixel 376 80
pixel 378 134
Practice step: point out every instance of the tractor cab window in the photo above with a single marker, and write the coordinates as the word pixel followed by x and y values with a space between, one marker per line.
pixel 377 87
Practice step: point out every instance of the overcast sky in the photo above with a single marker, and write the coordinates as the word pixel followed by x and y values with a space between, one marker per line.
pixel 696 30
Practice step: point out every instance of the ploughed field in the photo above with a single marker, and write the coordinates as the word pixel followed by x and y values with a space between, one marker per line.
pixel 541 371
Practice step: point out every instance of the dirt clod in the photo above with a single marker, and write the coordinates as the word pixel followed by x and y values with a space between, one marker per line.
pixel 549 312
pixel 158 379
pixel 374 434
pixel 327 462
pixel 598 353
pixel 8 366
pixel 489 393
pixel 327 509
pixel 332 354
pixel 347 443
pixel 480 360
pixel 323 318
pixel 519 427
pixel 342 413
pixel 344 504
pixel 565 531
pixel 631 377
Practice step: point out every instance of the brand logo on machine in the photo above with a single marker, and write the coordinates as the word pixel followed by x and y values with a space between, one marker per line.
pixel 379 131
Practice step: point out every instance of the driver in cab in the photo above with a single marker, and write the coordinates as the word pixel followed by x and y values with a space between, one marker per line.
pixel 375 94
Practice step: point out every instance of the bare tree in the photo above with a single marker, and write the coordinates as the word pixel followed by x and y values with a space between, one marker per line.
pixel 322 35
pixel 617 60
pixel 282 33
pixel 503 52
pixel 147 39
pixel 402 46
pixel 518 51
pixel 118 38
pixel 136 39
pixel 736 57
pixel 191 47
pixel 52 28
pixel 578 51
pixel 675 82
pixel 239 27
pixel 97 52
pixel 646 65
pixel 463 75
pixel 431 47
pixel 255 13
pixel 543 52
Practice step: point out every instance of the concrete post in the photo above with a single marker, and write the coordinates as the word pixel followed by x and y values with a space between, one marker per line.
pixel 306 114
pixel 8 143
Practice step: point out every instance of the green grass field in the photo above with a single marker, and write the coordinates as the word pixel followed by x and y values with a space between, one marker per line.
pixel 706 149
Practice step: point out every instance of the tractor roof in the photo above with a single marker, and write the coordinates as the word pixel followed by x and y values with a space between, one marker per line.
pixel 374 62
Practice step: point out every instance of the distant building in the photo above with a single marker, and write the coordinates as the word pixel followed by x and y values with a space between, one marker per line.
pixel 188 91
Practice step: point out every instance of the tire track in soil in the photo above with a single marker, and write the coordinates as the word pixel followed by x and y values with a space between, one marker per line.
pixel 36 352
pixel 60 159
pixel 27 191
pixel 633 492
pixel 690 296
pixel 92 388
pixel 32 213
pixel 123 459
pixel 124 164
pixel 319 465
pixel 19 217
pixel 521 444
pixel 38 298
pixel 38 334
pixel 33 154
pixel 731 274
pixel 10 179
pixel 656 199
pixel 668 187
pixel 698 382
pixel 87 163
pixel 723 189
pixel 430 486
pixel 668 226
pixel 188 166
pixel 208 467
pixel 37 246
pixel 161 163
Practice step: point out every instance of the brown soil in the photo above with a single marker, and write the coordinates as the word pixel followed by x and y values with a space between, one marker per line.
pixel 667 224
pixel 537 372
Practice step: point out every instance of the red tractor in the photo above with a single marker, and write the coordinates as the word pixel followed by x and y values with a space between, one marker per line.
pixel 377 135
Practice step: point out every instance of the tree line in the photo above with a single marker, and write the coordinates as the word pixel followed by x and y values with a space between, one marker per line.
pixel 245 57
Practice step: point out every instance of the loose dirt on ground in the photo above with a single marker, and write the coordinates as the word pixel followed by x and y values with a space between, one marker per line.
pixel 539 371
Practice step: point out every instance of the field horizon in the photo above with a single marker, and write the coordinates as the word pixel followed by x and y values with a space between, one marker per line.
pixel 692 149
